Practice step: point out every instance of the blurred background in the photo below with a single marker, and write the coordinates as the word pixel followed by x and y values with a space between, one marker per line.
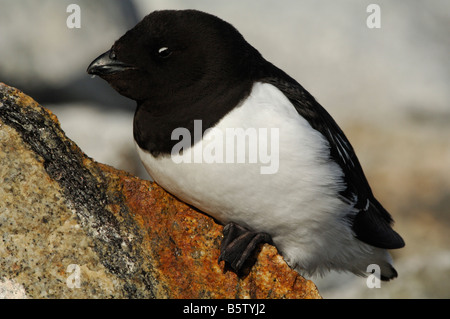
pixel 388 89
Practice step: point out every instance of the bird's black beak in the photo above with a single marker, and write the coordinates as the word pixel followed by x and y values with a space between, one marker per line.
pixel 107 64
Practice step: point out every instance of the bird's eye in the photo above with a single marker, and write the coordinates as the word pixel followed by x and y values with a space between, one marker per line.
pixel 112 55
pixel 164 52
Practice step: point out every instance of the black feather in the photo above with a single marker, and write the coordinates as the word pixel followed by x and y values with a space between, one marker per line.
pixel 372 227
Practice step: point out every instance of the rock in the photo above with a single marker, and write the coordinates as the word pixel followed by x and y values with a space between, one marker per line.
pixel 74 228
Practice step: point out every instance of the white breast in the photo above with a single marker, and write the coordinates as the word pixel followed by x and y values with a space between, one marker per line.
pixel 298 205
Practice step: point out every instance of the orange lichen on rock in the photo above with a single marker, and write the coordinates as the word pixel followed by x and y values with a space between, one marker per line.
pixel 186 243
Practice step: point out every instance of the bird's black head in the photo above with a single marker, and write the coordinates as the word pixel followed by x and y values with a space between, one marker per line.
pixel 171 52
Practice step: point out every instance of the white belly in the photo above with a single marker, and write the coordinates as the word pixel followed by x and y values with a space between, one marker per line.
pixel 298 205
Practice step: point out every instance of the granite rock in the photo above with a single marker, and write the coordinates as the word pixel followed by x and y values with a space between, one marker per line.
pixel 74 228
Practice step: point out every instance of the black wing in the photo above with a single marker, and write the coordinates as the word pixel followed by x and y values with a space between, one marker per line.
pixel 372 223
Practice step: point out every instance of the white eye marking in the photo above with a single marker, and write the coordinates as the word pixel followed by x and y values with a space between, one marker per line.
pixel 164 52
pixel 161 50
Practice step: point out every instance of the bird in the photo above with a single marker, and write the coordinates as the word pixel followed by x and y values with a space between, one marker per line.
pixel 193 75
